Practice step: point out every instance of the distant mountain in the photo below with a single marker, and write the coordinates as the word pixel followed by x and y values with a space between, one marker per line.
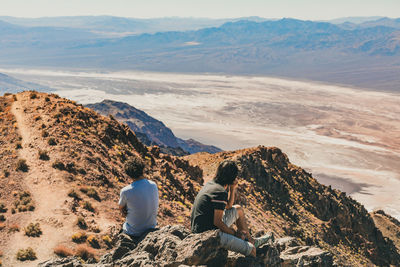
pixel 110 25
pixel 9 84
pixel 154 130
pixel 355 20
pixel 352 54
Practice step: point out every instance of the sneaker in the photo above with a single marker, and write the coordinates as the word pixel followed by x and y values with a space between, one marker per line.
pixel 258 242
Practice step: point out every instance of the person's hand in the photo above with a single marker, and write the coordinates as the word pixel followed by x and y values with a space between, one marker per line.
pixel 240 234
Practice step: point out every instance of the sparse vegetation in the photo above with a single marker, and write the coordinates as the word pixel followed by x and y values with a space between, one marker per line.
pixel 93 241
pixel 85 252
pixel 44 134
pixel 3 208
pixel 2 218
pixel 52 141
pixel 33 230
pixel 58 165
pixel 43 155
pixel 79 237
pixel 18 145
pixel 6 173
pixel 81 222
pixel 63 251
pixel 24 202
pixel 47 99
pixel 22 166
pixel 88 206
pixel 26 254
pixel 33 95
pixel 107 240
pixel 13 228
pixel 72 193
pixel 90 192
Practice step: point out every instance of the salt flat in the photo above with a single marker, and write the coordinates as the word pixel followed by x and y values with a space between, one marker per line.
pixel 348 138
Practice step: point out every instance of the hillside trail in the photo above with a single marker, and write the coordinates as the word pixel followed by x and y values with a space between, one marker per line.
pixel 48 191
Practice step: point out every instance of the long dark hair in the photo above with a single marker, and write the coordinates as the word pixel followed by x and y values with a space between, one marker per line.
pixel 226 173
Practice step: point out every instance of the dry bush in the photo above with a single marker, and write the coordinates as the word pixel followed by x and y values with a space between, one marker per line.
pixel 45 134
pixel 72 193
pixel 88 206
pixel 18 145
pixel 63 251
pixel 6 173
pixel 22 166
pixel 2 218
pixel 52 141
pixel 26 254
pixel 79 237
pixel 90 192
pixel 58 165
pixel 47 99
pixel 85 252
pixel 33 95
pixel 33 230
pixel 24 203
pixel 13 228
pixel 3 208
pixel 80 221
pixel 107 240
pixel 93 241
pixel 43 155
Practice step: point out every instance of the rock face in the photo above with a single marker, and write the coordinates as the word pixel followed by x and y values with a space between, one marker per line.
pixel 153 132
pixel 173 246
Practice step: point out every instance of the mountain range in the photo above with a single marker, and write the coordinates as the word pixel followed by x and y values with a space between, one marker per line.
pixel 364 54
pixel 12 85
pixel 153 131
pixel 63 167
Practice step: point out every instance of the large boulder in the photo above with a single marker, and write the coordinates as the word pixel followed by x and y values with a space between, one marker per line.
pixel 300 256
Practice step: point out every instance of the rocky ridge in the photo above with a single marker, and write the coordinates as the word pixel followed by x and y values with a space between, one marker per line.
pixel 86 153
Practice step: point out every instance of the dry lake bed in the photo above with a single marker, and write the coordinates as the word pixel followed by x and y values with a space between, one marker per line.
pixel 348 138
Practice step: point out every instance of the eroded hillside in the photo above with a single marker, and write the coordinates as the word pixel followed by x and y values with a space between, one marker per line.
pixel 74 170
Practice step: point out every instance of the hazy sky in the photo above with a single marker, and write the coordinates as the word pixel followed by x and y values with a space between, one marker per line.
pixel 302 9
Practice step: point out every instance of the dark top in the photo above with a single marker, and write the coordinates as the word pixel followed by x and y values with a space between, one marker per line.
pixel 211 197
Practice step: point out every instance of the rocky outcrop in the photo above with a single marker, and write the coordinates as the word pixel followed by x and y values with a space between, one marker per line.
pixel 174 246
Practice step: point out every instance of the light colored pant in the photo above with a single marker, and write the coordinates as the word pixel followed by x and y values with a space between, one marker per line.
pixel 231 242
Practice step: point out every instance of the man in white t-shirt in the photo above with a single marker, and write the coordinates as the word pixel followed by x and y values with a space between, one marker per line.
pixel 138 201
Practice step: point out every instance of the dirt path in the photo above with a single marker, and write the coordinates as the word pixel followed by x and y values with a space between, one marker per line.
pixel 48 191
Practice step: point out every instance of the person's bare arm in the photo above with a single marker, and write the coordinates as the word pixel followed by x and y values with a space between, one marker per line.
pixel 220 224
pixel 231 196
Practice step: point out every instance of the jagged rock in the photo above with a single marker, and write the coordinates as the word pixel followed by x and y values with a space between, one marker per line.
pixel 267 255
pixel 65 262
pixel 285 242
pixel 306 256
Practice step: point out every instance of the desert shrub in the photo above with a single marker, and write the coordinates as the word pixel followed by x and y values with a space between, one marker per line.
pixel 18 145
pixel 13 228
pixel 6 173
pixel 90 192
pixel 13 211
pixel 37 118
pixel 33 230
pixel 2 218
pixel 45 134
pixel 47 99
pixel 43 126
pixel 107 240
pixel 3 208
pixel 88 206
pixel 58 165
pixel 22 166
pixel 79 237
pixel 93 241
pixel 85 253
pixel 26 254
pixel 24 202
pixel 134 167
pixel 72 193
pixel 33 95
pixel 80 221
pixel 43 155
pixel 52 141
pixel 63 251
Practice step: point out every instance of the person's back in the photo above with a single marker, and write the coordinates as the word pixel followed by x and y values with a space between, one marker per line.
pixel 141 201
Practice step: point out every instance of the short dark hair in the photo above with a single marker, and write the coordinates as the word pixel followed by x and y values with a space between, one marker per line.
pixel 226 172
pixel 134 167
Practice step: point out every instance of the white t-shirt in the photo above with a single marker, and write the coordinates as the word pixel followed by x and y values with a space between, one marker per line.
pixel 141 201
